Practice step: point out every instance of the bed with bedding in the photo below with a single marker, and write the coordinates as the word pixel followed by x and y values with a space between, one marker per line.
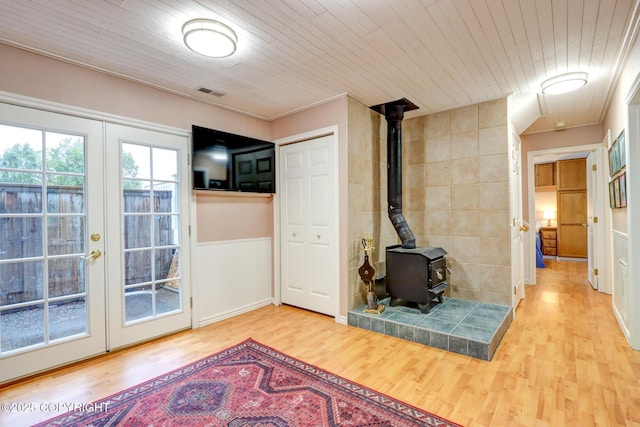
pixel 539 258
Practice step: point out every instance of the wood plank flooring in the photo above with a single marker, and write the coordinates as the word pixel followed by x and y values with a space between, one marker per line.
pixel 563 362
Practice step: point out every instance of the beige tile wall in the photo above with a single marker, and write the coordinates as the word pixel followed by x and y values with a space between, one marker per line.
pixel 367 135
pixel 455 194
pixel 467 198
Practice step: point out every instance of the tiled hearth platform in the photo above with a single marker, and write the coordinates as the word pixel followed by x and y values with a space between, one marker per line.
pixel 465 327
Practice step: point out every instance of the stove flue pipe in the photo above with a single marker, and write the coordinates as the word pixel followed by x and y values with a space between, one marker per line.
pixel 394 114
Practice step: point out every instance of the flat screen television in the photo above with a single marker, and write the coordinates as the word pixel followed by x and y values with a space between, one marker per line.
pixel 223 161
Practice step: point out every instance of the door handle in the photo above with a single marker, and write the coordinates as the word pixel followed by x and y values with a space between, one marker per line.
pixel 93 255
pixel 524 228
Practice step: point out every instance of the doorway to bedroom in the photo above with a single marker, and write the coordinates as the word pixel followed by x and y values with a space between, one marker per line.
pixel 566 204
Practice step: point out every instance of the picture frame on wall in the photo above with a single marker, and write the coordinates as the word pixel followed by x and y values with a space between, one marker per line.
pixel 612 195
pixel 623 190
pixel 622 150
pixel 616 191
pixel 612 169
pixel 616 156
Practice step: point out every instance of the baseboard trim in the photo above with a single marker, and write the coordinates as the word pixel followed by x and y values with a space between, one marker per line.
pixel 233 313
pixel 341 320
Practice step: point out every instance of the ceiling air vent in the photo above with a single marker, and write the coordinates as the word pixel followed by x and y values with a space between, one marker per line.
pixel 211 92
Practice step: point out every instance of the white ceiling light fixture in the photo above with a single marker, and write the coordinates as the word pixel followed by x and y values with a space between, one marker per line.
pixel 209 38
pixel 564 83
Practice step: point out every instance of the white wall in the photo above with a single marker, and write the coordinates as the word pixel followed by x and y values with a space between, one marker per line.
pixel 624 114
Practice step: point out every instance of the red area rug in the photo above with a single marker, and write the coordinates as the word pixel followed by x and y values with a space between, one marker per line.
pixel 249 385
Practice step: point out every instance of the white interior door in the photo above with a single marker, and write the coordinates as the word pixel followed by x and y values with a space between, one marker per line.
pixel 52 299
pixel 518 227
pixel 308 208
pixel 592 219
pixel 148 286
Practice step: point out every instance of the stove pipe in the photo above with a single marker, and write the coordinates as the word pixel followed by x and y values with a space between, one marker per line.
pixel 394 113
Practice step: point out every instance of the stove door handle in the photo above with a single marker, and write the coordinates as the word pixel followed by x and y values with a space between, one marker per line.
pixel 449 271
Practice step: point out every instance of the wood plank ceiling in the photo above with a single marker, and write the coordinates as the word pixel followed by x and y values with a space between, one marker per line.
pixel 292 54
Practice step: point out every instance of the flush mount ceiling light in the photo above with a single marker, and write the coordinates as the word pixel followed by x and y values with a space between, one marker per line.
pixel 564 83
pixel 209 38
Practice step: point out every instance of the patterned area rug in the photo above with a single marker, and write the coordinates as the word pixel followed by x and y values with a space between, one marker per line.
pixel 249 385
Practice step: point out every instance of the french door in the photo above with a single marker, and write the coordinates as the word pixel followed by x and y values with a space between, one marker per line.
pixel 87 263
pixel 51 290
pixel 147 245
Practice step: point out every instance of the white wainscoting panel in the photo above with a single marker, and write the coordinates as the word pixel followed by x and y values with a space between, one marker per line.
pixel 620 280
pixel 231 278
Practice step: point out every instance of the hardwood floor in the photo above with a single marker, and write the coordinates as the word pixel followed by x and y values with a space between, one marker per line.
pixel 563 362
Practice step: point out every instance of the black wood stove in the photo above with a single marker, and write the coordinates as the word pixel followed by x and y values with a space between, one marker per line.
pixel 415 275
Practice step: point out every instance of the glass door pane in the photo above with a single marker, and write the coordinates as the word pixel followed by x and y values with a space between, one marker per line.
pixel 152 281
pixel 43 292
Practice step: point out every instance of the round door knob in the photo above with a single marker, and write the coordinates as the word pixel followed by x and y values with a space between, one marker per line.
pixel 524 228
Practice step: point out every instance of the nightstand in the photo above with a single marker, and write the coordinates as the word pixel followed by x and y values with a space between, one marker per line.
pixel 549 240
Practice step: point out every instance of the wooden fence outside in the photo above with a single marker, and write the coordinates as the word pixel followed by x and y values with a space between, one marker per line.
pixel 22 237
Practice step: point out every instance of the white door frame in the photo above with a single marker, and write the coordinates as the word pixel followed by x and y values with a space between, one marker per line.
pixel 604 283
pixel 518 228
pixel 277 259
pixel 592 212
pixel 631 327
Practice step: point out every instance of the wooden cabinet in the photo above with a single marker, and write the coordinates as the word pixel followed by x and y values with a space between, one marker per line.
pixel 571 182
pixel 572 224
pixel 571 174
pixel 549 240
pixel 545 174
